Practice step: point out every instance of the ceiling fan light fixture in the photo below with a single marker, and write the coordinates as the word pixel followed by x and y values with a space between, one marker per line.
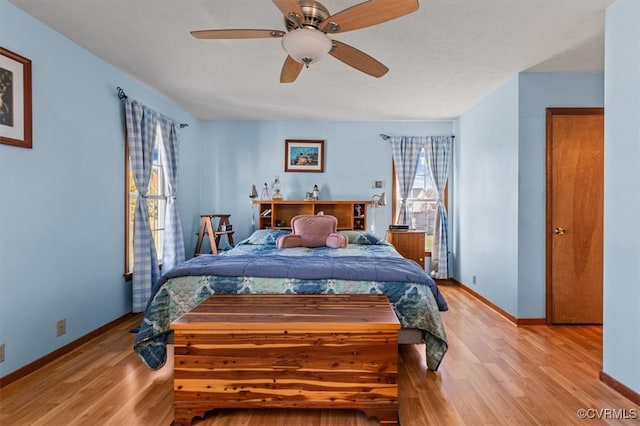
pixel 306 45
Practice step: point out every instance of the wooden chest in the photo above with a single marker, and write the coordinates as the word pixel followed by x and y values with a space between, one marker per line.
pixel 287 351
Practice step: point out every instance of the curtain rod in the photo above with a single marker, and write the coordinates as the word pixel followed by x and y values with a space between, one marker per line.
pixel 123 96
pixel 387 137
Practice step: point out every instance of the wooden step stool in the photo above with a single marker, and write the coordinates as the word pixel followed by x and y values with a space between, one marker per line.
pixel 207 230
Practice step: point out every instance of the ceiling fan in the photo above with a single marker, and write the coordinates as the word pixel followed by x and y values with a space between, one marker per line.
pixel 307 24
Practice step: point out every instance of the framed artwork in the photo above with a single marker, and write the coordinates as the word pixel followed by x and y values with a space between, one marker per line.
pixel 304 156
pixel 15 99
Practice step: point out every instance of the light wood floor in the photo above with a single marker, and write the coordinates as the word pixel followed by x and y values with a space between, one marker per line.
pixel 494 374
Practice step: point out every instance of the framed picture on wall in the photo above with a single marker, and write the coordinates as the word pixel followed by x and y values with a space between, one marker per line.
pixel 15 99
pixel 304 155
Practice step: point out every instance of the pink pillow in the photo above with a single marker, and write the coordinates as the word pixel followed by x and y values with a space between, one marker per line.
pixel 313 231
pixel 288 241
pixel 337 241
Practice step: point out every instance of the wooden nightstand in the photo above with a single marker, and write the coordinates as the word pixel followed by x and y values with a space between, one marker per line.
pixel 410 244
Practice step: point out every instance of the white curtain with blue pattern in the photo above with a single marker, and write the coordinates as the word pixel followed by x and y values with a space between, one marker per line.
pixel 141 135
pixel 406 151
pixel 438 154
pixel 173 250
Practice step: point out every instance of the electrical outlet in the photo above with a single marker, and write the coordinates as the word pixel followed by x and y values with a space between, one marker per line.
pixel 61 327
pixel 473 280
pixel 1 352
pixel 376 184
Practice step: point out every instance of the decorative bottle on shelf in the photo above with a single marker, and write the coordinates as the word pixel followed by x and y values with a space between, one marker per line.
pixel 265 193
pixel 316 192
pixel 276 189
pixel 253 194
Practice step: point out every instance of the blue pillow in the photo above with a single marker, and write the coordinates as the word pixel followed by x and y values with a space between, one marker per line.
pixel 265 236
pixel 362 238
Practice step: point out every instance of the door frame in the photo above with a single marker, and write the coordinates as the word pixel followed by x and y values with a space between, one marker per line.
pixel 550 112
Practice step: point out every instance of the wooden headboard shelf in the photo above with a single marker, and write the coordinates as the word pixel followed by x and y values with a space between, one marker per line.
pixel 352 215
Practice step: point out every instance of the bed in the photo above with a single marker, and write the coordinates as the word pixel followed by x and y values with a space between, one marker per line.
pixel 255 265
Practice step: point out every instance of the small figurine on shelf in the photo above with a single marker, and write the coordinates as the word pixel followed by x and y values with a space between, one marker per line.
pixel 265 193
pixel 316 193
pixel 276 189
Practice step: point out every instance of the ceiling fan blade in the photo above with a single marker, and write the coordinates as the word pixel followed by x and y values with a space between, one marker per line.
pixel 290 70
pixel 235 34
pixel 291 10
pixel 366 14
pixel 357 59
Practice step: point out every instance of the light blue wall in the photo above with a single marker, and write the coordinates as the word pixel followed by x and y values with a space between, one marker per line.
pixel 622 194
pixel 249 153
pixel 499 174
pixel 485 213
pixel 539 91
pixel 62 202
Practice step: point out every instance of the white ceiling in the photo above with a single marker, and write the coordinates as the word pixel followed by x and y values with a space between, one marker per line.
pixel 443 58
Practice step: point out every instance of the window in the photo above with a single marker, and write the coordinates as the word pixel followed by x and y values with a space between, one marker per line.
pixel 422 202
pixel 156 204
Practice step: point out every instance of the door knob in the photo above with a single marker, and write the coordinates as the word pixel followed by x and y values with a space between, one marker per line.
pixel 559 231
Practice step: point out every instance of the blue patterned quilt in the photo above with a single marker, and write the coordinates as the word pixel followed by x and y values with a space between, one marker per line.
pixel 367 266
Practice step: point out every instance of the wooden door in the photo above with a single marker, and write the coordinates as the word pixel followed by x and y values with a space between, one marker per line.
pixel 575 205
